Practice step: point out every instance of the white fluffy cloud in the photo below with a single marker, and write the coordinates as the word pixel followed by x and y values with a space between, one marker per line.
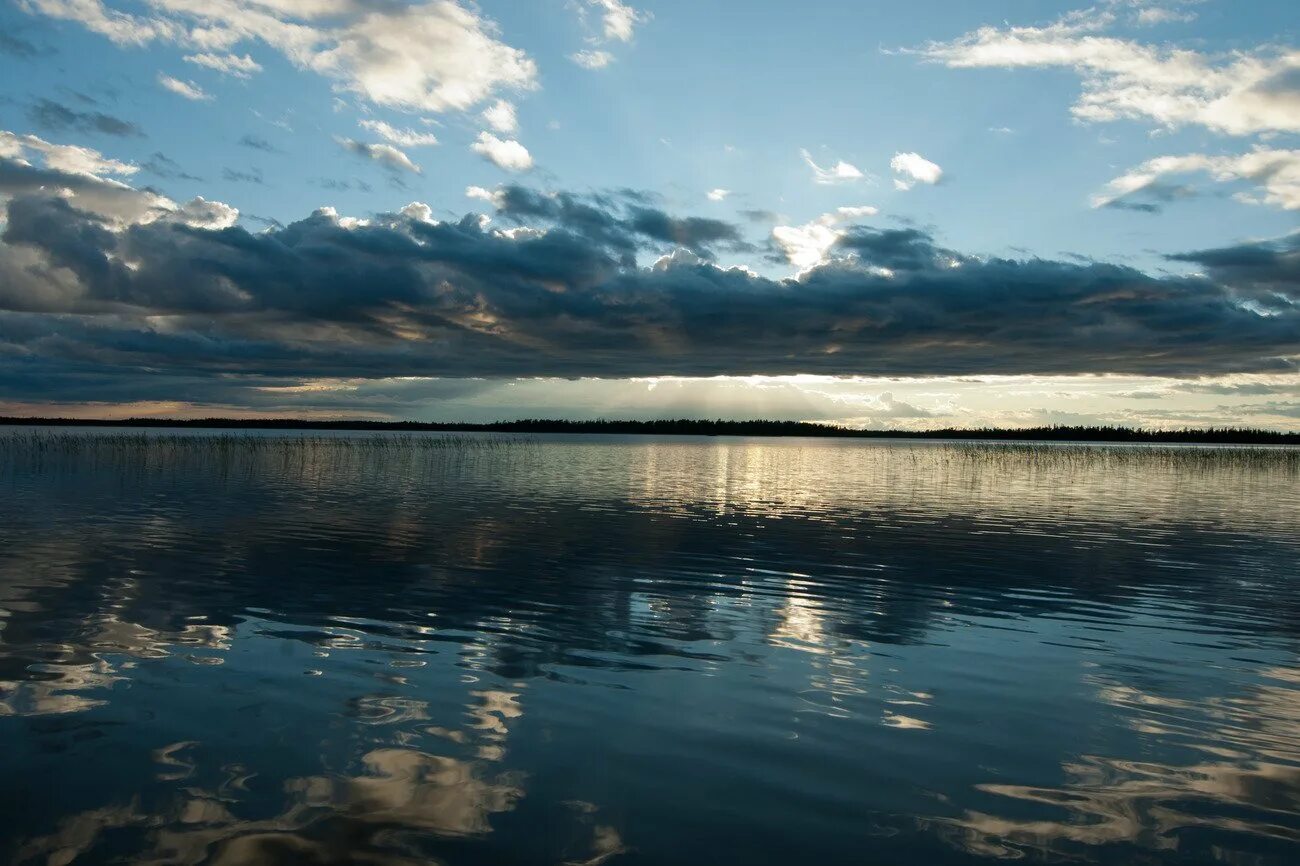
pixel 437 55
pixel 809 245
pixel 912 169
pixel 1241 93
pixel 385 154
pixel 718 194
pixel 501 116
pixel 204 214
pixel 1153 15
pixel 187 89
pixel 70 158
pixel 1276 172
pixel 399 137
pixel 490 196
pixel 504 153
pixel 227 64
pixel 841 172
pixel 618 20
pixel 88 180
pixel 592 59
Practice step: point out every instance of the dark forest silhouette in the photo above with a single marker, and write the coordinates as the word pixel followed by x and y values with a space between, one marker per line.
pixel 705 427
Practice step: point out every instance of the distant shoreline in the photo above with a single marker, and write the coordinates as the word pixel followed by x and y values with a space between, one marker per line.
pixel 693 427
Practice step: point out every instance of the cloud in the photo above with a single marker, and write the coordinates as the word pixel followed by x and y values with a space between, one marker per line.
pixel 618 19
pixel 1241 93
pixel 481 194
pixel 85 179
pixel 504 153
pixel 161 165
pixel 256 143
pixel 809 245
pixel 69 158
pixel 1266 271
pixel 569 285
pixel 252 175
pixel 227 64
pixel 16 46
pixel 618 22
pixel 914 169
pixel 592 59
pixel 56 117
pixel 841 172
pixel 399 137
pixel 204 214
pixel 385 154
pixel 1276 172
pixel 718 194
pixel 500 115
pixel 437 55
pixel 187 89
pixel 1153 15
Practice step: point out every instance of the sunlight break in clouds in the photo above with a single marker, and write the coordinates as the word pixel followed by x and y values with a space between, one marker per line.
pixel 809 245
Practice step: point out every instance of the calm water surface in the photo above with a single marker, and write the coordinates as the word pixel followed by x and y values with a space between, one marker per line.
pixel 646 651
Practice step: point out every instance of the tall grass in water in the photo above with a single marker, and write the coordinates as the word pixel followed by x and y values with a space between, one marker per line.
pixel 38 450
pixel 1054 456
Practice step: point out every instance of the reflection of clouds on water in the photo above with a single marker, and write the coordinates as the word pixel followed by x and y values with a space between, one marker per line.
pixel 1144 805
pixel 356 818
pixel 53 689
pixel 781 615
pixel 1251 790
pixel 401 797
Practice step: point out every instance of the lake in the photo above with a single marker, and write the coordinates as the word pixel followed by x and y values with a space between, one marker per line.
pixel 370 648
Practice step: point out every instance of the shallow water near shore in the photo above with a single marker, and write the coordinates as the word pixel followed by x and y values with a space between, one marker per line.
pixel 479 649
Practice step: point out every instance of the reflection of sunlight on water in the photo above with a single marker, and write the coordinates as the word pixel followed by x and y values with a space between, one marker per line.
pixel 1066 656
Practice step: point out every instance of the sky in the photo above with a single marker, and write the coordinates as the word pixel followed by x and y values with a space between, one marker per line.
pixel 931 214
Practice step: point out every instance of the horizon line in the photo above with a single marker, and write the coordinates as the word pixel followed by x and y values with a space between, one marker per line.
pixel 698 426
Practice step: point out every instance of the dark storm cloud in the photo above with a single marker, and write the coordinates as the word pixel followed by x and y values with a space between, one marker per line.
pixel 562 288
pixel 604 221
pixel 57 117
pixel 1263 265
pixel 896 249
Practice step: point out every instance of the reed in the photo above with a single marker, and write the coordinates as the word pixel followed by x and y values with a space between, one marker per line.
pixel 1055 455
pixel 40 450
